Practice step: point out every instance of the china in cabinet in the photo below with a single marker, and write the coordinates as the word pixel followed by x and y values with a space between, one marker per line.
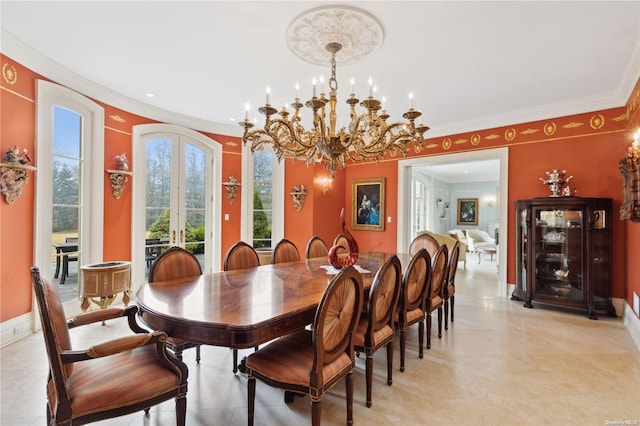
pixel 563 253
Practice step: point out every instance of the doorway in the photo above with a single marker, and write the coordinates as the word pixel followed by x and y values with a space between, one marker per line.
pixel 174 196
pixel 405 184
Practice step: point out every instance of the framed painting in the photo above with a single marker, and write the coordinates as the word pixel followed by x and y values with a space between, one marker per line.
pixel 467 211
pixel 367 204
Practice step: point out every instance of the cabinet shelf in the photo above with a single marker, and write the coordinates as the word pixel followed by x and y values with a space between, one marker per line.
pixel 570 236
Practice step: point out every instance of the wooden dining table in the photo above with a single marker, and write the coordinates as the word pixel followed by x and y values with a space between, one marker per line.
pixel 244 308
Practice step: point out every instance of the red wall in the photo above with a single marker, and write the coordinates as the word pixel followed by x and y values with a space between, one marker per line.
pixel 587 145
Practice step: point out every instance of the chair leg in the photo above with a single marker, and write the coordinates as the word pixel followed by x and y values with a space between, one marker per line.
pixel 446 314
pixel 421 339
pixel 349 387
pixel 251 397
pixel 235 361
pixel 390 363
pixel 315 413
pixel 181 411
pixel 198 354
pixel 403 344
pixel 439 323
pixel 429 331
pixel 453 300
pixel 369 376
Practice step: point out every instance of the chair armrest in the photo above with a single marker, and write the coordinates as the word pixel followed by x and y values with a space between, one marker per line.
pixel 107 314
pixel 115 346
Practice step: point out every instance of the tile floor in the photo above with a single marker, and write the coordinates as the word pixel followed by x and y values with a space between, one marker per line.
pixel 499 364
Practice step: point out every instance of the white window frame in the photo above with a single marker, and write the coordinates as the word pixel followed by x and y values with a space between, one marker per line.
pixel 91 224
pixel 246 222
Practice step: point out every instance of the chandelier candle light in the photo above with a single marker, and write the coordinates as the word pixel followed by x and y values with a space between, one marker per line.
pixel 367 137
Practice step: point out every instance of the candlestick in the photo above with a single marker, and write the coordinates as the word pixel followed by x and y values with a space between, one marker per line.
pixel 268 91
pixel 370 87
pixel 314 82
pixel 411 99
pixel 352 83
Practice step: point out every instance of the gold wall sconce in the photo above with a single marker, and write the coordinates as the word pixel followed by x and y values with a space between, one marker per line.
pixel 118 178
pixel 15 173
pixel 298 195
pixel 630 170
pixel 327 184
pixel 120 175
pixel 232 188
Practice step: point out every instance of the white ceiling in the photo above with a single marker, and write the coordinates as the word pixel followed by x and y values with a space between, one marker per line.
pixel 470 65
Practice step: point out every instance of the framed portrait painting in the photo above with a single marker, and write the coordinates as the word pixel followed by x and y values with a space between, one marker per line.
pixel 367 204
pixel 467 211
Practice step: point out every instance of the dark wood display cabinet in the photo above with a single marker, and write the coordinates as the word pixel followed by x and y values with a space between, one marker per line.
pixel 563 253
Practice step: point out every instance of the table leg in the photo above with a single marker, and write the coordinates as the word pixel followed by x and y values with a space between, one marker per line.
pixel 57 264
pixel 65 268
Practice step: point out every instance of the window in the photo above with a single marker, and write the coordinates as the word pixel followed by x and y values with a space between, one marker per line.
pixel 263 199
pixel 69 192
pixel 176 196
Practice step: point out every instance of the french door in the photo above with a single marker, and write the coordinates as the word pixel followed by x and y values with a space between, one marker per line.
pixel 174 175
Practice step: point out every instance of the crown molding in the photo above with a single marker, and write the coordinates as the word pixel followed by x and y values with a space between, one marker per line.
pixel 35 61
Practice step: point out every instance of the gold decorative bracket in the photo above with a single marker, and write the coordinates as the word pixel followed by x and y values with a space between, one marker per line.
pixel 298 195
pixel 14 175
pixel 118 177
pixel 232 188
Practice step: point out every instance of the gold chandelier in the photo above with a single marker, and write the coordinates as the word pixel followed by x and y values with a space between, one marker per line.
pixel 367 137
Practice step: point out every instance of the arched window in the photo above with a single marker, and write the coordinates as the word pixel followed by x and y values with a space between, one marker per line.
pixel 69 192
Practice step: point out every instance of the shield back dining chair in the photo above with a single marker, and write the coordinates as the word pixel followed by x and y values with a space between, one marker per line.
pixel 285 251
pixel 176 263
pixel 240 256
pixel 311 362
pixel 425 241
pixel 435 300
pixel 415 285
pixel 110 379
pixel 450 284
pixel 316 247
pixel 376 326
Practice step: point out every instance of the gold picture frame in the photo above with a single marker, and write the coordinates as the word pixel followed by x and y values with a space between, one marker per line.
pixel 467 211
pixel 367 204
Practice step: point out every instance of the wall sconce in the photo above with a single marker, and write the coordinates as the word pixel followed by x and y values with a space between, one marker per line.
pixel 327 184
pixel 298 196
pixel 120 175
pixel 630 170
pixel 232 188
pixel 15 173
pixel 488 201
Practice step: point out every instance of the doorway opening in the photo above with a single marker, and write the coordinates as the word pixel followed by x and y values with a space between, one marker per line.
pixel 406 183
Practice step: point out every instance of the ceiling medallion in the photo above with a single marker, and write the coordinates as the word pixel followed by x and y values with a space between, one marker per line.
pixel 358 32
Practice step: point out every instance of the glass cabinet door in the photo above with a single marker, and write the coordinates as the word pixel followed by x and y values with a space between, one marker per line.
pixel 521 253
pixel 559 252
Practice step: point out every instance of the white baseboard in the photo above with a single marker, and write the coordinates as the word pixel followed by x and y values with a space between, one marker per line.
pixel 15 329
pixel 631 322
